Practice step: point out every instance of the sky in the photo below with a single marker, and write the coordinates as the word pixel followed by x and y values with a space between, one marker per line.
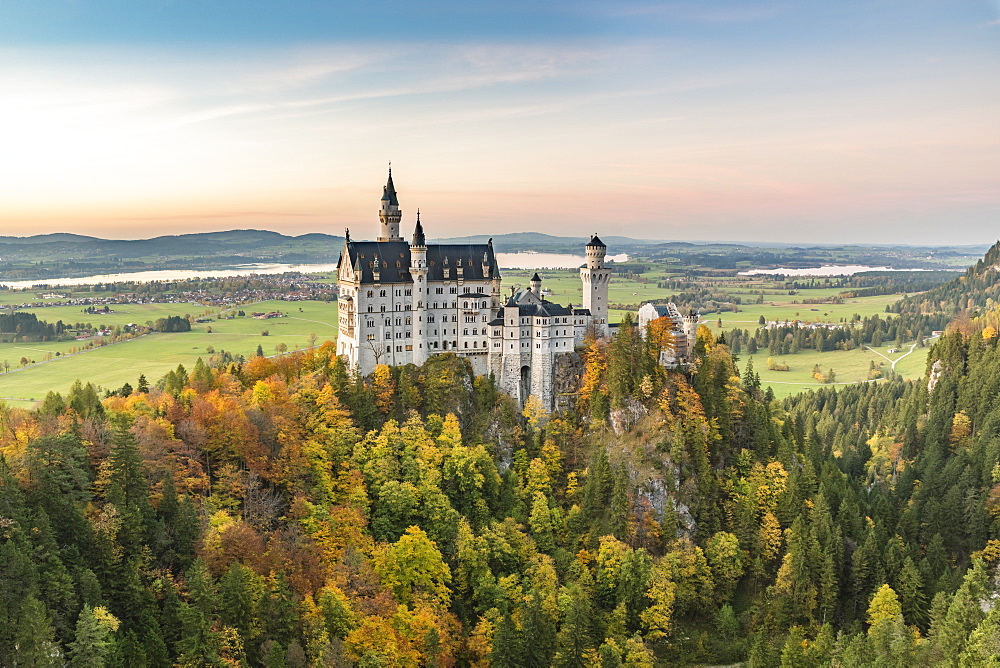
pixel 861 121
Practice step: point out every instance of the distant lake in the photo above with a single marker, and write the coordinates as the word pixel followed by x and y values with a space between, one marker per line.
pixel 547 260
pixel 175 275
pixel 826 270
pixel 506 260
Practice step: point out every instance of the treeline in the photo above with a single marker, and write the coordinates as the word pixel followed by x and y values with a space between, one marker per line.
pixel 787 339
pixel 172 323
pixel 874 283
pixel 20 326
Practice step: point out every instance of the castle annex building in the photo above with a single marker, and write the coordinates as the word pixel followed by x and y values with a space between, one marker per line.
pixel 403 301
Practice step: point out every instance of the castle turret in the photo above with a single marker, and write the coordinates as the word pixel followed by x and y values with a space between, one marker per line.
pixel 595 277
pixel 390 213
pixel 418 271
pixel 536 285
pixel 691 333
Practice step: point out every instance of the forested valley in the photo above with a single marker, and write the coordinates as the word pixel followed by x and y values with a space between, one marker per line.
pixel 284 512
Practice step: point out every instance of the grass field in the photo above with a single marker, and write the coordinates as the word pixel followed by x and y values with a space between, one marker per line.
pixel 156 354
pixel 849 366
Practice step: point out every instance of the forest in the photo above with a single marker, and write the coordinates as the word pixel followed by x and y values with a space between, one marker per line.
pixel 285 512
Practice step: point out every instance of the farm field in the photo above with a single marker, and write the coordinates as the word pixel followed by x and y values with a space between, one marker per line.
pixel 849 366
pixel 155 354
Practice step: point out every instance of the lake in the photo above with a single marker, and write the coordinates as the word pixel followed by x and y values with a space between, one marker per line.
pixel 506 260
pixel 175 275
pixel 826 270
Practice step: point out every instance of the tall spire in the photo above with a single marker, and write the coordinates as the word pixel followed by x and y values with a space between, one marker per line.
pixel 389 191
pixel 389 214
pixel 418 233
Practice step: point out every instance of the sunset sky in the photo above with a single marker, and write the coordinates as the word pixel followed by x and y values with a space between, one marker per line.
pixel 869 121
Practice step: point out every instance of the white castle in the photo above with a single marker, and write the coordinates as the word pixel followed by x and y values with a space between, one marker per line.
pixel 402 302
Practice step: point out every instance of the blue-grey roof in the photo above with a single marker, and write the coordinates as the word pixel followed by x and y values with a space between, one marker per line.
pixel 394 261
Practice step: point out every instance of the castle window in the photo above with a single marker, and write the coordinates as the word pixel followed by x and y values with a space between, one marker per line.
pixel 408 292
pixel 371 293
pixel 388 335
pixel 453 290
pixel 381 293
pixel 409 347
pixel 465 304
pixel 475 344
pixel 399 349
pixel 432 263
pixel 371 337
pixel 408 321
pixel 385 265
pixel 383 308
pixel 465 332
pixel 371 308
pixel 466 344
pixel 388 349
pixel 398 265
pixel 430 318
pixel 438 291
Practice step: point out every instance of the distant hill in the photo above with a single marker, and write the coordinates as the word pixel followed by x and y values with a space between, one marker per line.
pixel 519 241
pixel 68 255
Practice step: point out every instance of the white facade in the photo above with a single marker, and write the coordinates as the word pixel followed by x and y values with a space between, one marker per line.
pixel 402 302
pixel 684 330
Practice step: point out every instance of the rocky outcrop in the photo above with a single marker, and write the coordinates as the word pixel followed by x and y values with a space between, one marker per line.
pixel 568 370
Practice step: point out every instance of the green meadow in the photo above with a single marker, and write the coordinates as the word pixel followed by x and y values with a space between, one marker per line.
pixel 849 366
pixel 155 354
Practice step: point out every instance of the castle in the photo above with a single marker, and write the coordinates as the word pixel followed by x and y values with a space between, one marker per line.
pixel 401 302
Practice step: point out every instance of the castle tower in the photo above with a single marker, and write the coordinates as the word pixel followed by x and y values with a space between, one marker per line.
pixel 390 213
pixel 691 332
pixel 595 279
pixel 536 285
pixel 418 271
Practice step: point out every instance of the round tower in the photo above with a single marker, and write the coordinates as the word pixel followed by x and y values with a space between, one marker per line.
pixel 418 272
pixel 595 277
pixel 390 214
pixel 536 285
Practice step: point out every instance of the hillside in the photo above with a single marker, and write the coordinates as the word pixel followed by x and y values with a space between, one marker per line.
pixel 977 290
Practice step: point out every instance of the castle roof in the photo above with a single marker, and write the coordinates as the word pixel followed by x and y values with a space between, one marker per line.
pixel 389 191
pixel 534 307
pixel 418 233
pixel 594 240
pixel 394 261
